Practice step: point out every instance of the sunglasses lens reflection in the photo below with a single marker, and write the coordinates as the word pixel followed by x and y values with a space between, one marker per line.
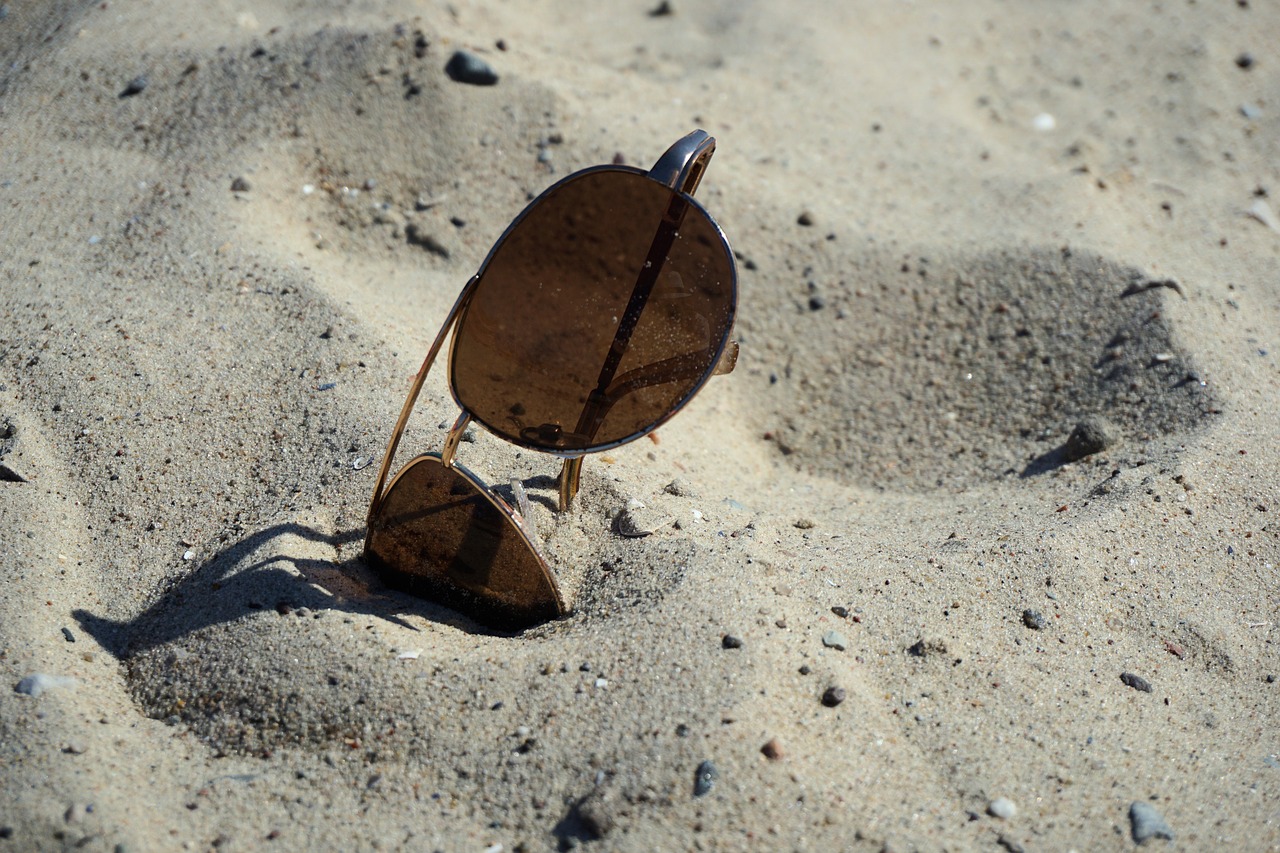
pixel 438 536
pixel 600 314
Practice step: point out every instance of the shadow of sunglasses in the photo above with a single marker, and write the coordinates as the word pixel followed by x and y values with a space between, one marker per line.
pixel 603 308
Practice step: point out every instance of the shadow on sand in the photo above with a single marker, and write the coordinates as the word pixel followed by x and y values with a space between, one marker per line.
pixel 282 568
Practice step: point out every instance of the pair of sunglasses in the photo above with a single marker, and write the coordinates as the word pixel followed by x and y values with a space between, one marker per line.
pixel 601 311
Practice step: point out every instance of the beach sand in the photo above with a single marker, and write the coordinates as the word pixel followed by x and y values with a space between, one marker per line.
pixel 962 229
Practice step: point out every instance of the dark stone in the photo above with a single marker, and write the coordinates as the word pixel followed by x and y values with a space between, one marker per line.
pixel 704 778
pixel 465 67
pixel 239 185
pixel 134 86
pixel 1092 435
pixel 833 696
pixel 731 642
pixel 1033 620
pixel 1137 682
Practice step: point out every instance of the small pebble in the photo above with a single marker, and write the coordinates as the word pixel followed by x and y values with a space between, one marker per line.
pixel 75 747
pixel 68 636
pixel 817 303
pixel 1245 61
pixel 704 778
pixel 834 640
pixel 134 86
pixel 833 696
pixel 662 10
pixel 464 67
pixel 680 488
pixel 803 524
pixel 38 682
pixel 1147 823
pixel 1137 682
pixel 805 218
pixel 239 185
pixel 596 811
pixel 1002 807
pixel 731 642
pixel 1092 435
pixel 773 750
pixel 1033 620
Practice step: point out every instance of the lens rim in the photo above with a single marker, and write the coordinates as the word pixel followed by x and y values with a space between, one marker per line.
pixel 725 341
pixel 475 605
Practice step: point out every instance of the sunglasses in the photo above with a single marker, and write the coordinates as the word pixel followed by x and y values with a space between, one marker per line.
pixel 601 311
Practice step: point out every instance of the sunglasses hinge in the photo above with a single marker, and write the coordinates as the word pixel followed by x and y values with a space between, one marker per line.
pixel 455 435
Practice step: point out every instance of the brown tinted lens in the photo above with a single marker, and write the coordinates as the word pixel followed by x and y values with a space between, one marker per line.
pixel 438 536
pixel 597 316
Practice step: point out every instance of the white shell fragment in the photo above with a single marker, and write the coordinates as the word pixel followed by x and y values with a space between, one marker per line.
pixel 410 654
pixel 1261 211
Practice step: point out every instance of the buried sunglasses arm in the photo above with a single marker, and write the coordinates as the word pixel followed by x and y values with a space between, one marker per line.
pixel 414 391
pixel 654 374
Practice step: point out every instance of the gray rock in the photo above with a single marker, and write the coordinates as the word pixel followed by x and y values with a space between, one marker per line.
pixel 833 696
pixel 1137 682
pixel 1092 435
pixel 38 683
pixel 834 640
pixel 1033 620
pixel 704 778
pixel 1147 823
pixel 134 86
pixel 680 488
pixel 464 67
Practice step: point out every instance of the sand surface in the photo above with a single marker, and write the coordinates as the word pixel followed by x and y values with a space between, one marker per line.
pixel 963 228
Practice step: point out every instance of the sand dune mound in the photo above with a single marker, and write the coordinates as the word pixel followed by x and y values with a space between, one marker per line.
pixel 927 372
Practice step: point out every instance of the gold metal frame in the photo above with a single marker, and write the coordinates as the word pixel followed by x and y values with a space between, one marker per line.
pixel 680 168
